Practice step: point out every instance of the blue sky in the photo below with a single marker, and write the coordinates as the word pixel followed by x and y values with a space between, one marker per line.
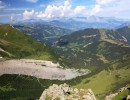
pixel 11 10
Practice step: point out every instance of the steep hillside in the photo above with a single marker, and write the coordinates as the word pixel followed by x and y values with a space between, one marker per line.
pixel 49 31
pixel 25 87
pixel 40 31
pixel 13 43
pixel 93 48
pixel 21 87
pixel 102 51
pixel 125 33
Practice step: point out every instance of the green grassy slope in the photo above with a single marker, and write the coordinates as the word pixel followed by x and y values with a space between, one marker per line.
pixel 20 87
pixel 102 83
pixel 20 45
pixel 122 95
pixel 106 81
pixel 91 48
pixel 108 59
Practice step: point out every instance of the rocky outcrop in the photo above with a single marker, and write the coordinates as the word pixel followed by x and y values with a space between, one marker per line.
pixel 128 97
pixel 111 96
pixel 65 92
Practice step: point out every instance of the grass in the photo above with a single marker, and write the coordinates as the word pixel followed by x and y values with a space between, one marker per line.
pixel 106 81
pixel 7 88
pixel 20 45
pixel 27 87
pixel 23 87
pixel 101 82
pixel 122 95
pixel 40 56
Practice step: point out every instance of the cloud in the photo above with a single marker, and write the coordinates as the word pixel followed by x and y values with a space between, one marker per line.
pixel 2 5
pixel 28 14
pixel 32 1
pixel 56 11
pixel 12 17
pixel 9 15
pixel 64 10
pixel 100 8
pixel 121 10
pixel 80 10
pixel 95 10
pixel 104 2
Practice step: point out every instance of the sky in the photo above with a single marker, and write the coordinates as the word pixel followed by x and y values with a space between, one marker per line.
pixel 15 10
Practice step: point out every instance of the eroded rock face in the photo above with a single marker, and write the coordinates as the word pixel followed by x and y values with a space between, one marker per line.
pixel 65 92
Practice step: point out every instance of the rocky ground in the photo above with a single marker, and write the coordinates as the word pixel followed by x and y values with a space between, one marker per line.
pixel 65 92
pixel 40 69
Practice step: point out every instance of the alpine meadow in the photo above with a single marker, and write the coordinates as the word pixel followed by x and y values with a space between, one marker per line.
pixel 64 50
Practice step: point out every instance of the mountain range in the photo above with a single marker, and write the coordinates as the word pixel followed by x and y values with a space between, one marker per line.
pixel 94 47
pixel 49 30
pixel 104 50
pixel 77 23
pixel 47 34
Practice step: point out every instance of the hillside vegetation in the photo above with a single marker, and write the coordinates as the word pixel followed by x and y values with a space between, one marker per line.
pixel 93 48
pixel 104 52
pixel 15 44
pixel 20 87
pixel 47 34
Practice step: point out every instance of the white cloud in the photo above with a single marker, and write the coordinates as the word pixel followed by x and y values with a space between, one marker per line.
pixel 121 10
pixel 95 10
pixel 32 1
pixel 28 14
pixel 104 2
pixel 2 5
pixel 101 8
pixel 57 11
pixel 80 10
pixel 64 10
pixel 12 17
pixel 101 5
